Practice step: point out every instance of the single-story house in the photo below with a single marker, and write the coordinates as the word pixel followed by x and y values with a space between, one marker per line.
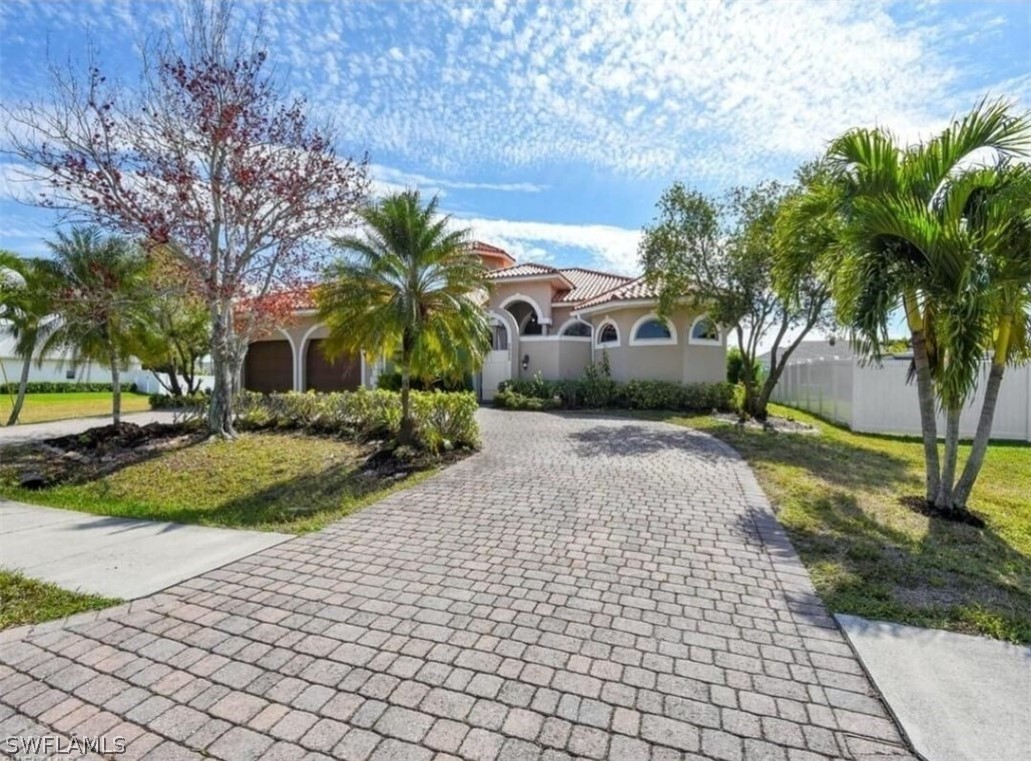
pixel 548 320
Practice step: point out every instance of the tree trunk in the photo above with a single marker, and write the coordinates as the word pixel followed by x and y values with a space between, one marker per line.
pixel 23 384
pixel 965 485
pixel 407 431
pixel 928 423
pixel 173 381
pixel 116 391
pixel 944 499
pixel 220 407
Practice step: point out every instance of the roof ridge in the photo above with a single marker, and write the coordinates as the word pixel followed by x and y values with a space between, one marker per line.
pixel 597 272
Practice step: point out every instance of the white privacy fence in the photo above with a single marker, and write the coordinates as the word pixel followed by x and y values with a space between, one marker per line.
pixel 876 398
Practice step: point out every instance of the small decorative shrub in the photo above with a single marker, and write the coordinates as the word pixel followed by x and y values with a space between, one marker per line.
pixel 166 402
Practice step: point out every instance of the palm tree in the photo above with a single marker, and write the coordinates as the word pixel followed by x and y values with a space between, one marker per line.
pixel 407 287
pixel 907 247
pixel 98 300
pixel 26 305
pixel 998 204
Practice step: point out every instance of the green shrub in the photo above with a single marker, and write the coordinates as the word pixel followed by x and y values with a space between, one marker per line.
pixel 442 420
pixel 64 387
pixel 736 365
pixel 510 399
pixel 392 382
pixel 595 389
pixel 166 402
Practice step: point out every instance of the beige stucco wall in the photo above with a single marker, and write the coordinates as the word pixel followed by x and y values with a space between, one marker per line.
pixel 539 291
pixel 684 362
pixel 554 359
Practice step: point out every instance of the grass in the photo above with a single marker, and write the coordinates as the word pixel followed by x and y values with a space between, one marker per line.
pixel 26 601
pixel 267 481
pixel 837 495
pixel 41 408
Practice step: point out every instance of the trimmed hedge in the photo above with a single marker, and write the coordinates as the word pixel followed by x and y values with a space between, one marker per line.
pixel 64 387
pixel 442 420
pixel 596 390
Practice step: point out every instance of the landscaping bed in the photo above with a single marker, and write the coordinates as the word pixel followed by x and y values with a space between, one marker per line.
pixel 271 480
pixel 845 501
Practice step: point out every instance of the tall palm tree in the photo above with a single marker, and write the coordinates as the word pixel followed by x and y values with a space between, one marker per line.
pixel 909 250
pixel 998 206
pixel 26 306
pixel 406 287
pixel 98 300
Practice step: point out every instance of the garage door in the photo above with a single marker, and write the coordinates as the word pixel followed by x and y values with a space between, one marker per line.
pixel 268 367
pixel 343 374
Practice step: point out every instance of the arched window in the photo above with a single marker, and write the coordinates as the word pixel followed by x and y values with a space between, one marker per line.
pixel 525 315
pixel 577 329
pixel 608 335
pixel 649 330
pixel 704 331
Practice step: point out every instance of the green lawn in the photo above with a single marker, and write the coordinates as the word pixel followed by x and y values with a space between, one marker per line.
pixel 40 408
pixel 25 601
pixel 268 481
pixel 837 494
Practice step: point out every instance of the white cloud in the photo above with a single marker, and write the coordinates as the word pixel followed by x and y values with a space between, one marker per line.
pixel 390 178
pixel 611 248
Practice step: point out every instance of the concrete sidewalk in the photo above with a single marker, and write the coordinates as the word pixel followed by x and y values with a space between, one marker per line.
pixel 21 434
pixel 116 557
pixel 957 697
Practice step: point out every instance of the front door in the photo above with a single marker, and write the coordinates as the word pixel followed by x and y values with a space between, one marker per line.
pixel 497 365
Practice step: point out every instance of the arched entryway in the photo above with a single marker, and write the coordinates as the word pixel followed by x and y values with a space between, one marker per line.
pixel 342 374
pixel 269 367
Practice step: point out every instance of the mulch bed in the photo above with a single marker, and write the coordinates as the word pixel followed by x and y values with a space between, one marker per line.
pixel 773 424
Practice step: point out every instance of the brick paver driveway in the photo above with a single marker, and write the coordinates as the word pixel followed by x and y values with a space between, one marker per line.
pixel 585 587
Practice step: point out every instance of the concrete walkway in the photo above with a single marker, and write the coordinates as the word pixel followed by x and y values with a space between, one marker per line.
pixel 584 588
pixel 21 434
pixel 957 697
pixel 116 557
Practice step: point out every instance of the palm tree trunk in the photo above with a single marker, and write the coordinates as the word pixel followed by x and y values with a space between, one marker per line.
pixel 944 499
pixel 23 384
pixel 116 391
pixel 965 485
pixel 928 423
pixel 406 433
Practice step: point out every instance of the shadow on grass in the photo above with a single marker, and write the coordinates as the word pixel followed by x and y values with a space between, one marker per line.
pixel 951 576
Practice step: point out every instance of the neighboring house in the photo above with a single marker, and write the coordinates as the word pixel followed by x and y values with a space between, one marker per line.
pixel 57 368
pixel 547 320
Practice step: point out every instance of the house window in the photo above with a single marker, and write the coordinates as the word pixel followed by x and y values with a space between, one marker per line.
pixel 608 334
pixel 69 374
pixel 499 338
pixel 653 330
pixel 704 331
pixel 578 329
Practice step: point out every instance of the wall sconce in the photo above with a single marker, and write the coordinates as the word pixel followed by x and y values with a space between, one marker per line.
pixel 526 361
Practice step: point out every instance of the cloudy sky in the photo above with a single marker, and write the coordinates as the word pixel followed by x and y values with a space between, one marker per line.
pixel 551 128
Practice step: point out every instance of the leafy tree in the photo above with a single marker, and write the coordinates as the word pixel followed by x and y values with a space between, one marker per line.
pixel 719 255
pixel 98 300
pixel 407 286
pixel 174 335
pixel 210 157
pixel 26 306
pixel 912 248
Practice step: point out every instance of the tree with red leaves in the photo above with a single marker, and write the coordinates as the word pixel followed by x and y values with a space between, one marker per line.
pixel 207 158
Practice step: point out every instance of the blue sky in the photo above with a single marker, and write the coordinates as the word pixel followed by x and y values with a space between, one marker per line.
pixel 551 128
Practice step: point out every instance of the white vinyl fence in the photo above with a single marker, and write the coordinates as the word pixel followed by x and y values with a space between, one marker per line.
pixel 875 398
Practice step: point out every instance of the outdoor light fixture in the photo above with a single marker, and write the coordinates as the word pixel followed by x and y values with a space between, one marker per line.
pixel 526 361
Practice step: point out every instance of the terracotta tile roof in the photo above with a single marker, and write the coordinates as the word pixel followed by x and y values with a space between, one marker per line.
pixel 637 288
pixel 485 248
pixel 587 284
pixel 523 270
